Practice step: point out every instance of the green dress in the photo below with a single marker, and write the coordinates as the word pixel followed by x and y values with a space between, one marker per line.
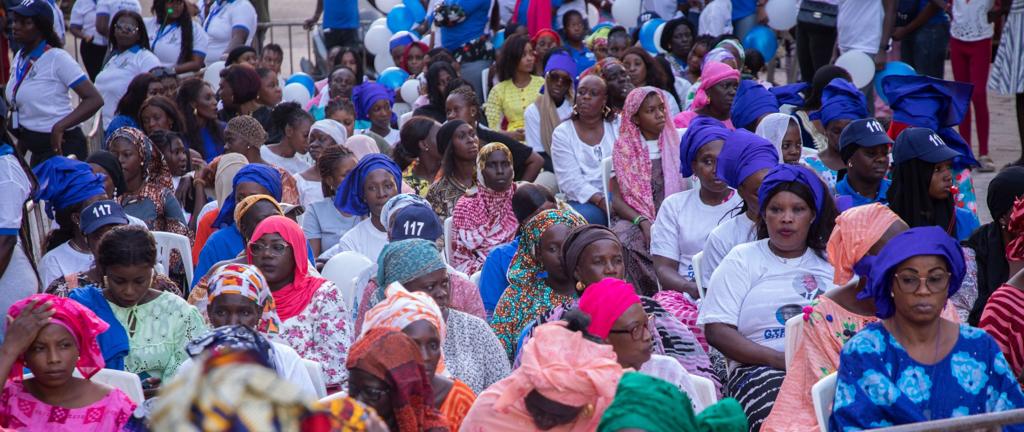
pixel 162 329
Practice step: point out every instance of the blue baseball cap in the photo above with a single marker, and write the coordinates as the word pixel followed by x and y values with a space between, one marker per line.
pixel 31 8
pixel 923 144
pixel 415 221
pixel 100 214
pixel 866 132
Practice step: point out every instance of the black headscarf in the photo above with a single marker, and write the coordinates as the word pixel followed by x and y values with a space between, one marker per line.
pixel 987 241
pixel 112 166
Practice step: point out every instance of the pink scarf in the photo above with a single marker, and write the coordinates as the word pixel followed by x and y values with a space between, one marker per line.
pixel 712 73
pixel 293 298
pixel 631 158
pixel 605 302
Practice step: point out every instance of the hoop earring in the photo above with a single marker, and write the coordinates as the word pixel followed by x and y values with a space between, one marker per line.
pixel 606 111
pixel 580 287
pixel 575 112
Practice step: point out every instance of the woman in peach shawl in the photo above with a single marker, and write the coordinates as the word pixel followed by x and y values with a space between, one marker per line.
pixel 836 316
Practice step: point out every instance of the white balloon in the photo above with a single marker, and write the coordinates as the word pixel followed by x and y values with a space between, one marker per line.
pixel 383 61
pixel 410 90
pixel 296 92
pixel 376 40
pixel 380 22
pixel 401 108
pixel 657 38
pixel 860 66
pixel 593 15
pixel 782 14
pixel 386 5
pixel 212 75
pixel 626 12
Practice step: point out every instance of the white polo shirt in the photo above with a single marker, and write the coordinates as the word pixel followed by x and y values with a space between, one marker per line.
pixel 224 16
pixel 19 279
pixel 119 71
pixel 109 8
pixel 165 41
pixel 58 19
pixel 83 15
pixel 43 96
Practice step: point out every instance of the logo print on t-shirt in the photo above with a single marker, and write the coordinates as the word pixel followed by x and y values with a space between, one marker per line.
pixel 786 312
pixel 807 286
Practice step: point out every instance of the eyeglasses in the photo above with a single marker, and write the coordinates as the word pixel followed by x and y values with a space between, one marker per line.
pixel 273 249
pixel 909 281
pixel 637 332
pixel 372 394
pixel 126 28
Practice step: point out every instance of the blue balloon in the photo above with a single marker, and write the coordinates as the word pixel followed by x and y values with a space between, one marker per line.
pixel 305 80
pixel 499 39
pixel 647 32
pixel 893 68
pixel 400 19
pixel 418 12
pixel 392 78
pixel 763 40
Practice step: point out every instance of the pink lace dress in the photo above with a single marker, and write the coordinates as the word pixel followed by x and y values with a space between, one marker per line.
pixel 21 411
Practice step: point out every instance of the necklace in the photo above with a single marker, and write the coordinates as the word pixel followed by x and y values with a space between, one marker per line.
pixel 772 249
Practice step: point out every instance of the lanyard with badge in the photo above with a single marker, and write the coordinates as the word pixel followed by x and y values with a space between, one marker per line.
pixel 21 72
pixel 164 30
pixel 217 9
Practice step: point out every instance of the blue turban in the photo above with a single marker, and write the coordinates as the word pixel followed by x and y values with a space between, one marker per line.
pixel 702 130
pixel 263 175
pixel 752 101
pixel 841 100
pixel 744 154
pixel 349 197
pixel 922 101
pixel 926 240
pixel 65 182
pixel 790 94
pixel 561 60
pixel 785 173
pixel 367 94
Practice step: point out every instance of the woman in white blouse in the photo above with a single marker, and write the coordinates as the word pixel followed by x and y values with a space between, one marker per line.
pixel 178 41
pixel 579 146
pixel 228 24
pixel 129 56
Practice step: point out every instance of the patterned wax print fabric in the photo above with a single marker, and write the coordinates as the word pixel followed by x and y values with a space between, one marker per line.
pixel 21 411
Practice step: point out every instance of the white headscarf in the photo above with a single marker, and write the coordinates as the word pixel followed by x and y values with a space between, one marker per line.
pixel 773 128
pixel 333 129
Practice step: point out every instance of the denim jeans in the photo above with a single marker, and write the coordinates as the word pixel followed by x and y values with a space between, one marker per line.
pixel 592 213
pixel 925 49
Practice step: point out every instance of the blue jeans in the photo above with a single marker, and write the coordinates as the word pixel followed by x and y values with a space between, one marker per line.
pixel 925 49
pixel 592 213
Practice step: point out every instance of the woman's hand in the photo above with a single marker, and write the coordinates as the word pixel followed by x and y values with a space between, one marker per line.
pixel 57 138
pixel 21 331
pixel 645 227
pixel 150 387
pixel 518 134
pixel 184 190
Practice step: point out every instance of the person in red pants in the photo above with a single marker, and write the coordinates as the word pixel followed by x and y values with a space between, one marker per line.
pixel 970 47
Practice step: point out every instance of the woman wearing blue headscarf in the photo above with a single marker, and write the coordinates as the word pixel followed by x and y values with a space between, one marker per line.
pixel 373 111
pixel 229 241
pixel 841 103
pixel 761 284
pixel 914 365
pixel 374 180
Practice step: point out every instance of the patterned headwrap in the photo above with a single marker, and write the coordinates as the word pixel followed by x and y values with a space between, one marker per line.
pixel 719 55
pixel 249 129
pixel 78 320
pixel 153 168
pixel 349 197
pixel 654 405
pixel 243 207
pixel 247 281
pixel 482 219
pixel 856 231
pixel 65 182
pixel 232 340
pixel 564 367
pixel 599 67
pixel 401 308
pixel 1015 227
pixel 405 260
pixel 631 158
pixel 481 160
pixel 702 130
pixel 598 38
pixel 735 44
pixel 926 240
pixel 527 292
pixel 392 357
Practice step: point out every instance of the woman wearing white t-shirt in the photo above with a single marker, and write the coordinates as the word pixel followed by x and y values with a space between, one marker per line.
pixel 228 24
pixel 17 277
pixel 129 56
pixel 178 41
pixel 580 145
pixel 82 25
pixel 374 180
pixel 762 284
pixel 292 152
pixel 41 74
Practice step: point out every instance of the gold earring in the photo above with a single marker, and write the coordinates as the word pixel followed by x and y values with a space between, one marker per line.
pixel 606 111
pixel 580 287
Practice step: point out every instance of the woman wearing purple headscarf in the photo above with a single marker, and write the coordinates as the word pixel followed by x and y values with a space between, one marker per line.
pixel 373 106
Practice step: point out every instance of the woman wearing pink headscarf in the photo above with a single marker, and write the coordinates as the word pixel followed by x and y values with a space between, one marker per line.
pixel 646 162
pixel 718 84
pixel 564 375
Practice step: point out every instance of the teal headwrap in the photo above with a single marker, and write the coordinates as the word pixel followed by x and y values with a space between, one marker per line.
pixel 647 403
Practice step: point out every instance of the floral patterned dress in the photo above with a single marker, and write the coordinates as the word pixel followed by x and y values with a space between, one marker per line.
pixel 879 384
pixel 322 333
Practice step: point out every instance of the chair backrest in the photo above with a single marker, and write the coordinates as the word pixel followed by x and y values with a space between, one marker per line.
pixel 697 258
pixel 127 382
pixel 606 176
pixel 485 84
pixel 822 394
pixel 448 239
pixel 705 390
pixel 37 229
pixel 167 242
pixel 346 269
pixel 794 326
pixel 338 395
pixel 475 278
pixel 317 375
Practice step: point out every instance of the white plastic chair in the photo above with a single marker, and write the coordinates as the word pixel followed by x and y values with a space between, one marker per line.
pixel 448 239
pixel 697 258
pixel 317 375
pixel 167 242
pixel 338 395
pixel 346 269
pixel 794 326
pixel 822 394
pixel 127 382
pixel 607 170
pixel 36 228
pixel 475 278
pixel 705 389
pixel 485 84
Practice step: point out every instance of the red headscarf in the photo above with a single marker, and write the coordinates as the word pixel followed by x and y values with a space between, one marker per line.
pixel 544 32
pixel 1015 249
pixel 293 298
pixel 78 320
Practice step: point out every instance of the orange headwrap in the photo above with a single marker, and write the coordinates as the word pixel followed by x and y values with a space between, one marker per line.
pixel 857 229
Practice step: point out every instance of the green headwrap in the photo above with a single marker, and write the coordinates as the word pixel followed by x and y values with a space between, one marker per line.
pixel 647 403
pixel 403 261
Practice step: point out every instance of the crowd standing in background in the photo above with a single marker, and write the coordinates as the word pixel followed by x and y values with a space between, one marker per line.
pixel 509 215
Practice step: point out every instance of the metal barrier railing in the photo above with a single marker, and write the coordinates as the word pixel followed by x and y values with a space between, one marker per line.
pixel 293 30
pixel 978 422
